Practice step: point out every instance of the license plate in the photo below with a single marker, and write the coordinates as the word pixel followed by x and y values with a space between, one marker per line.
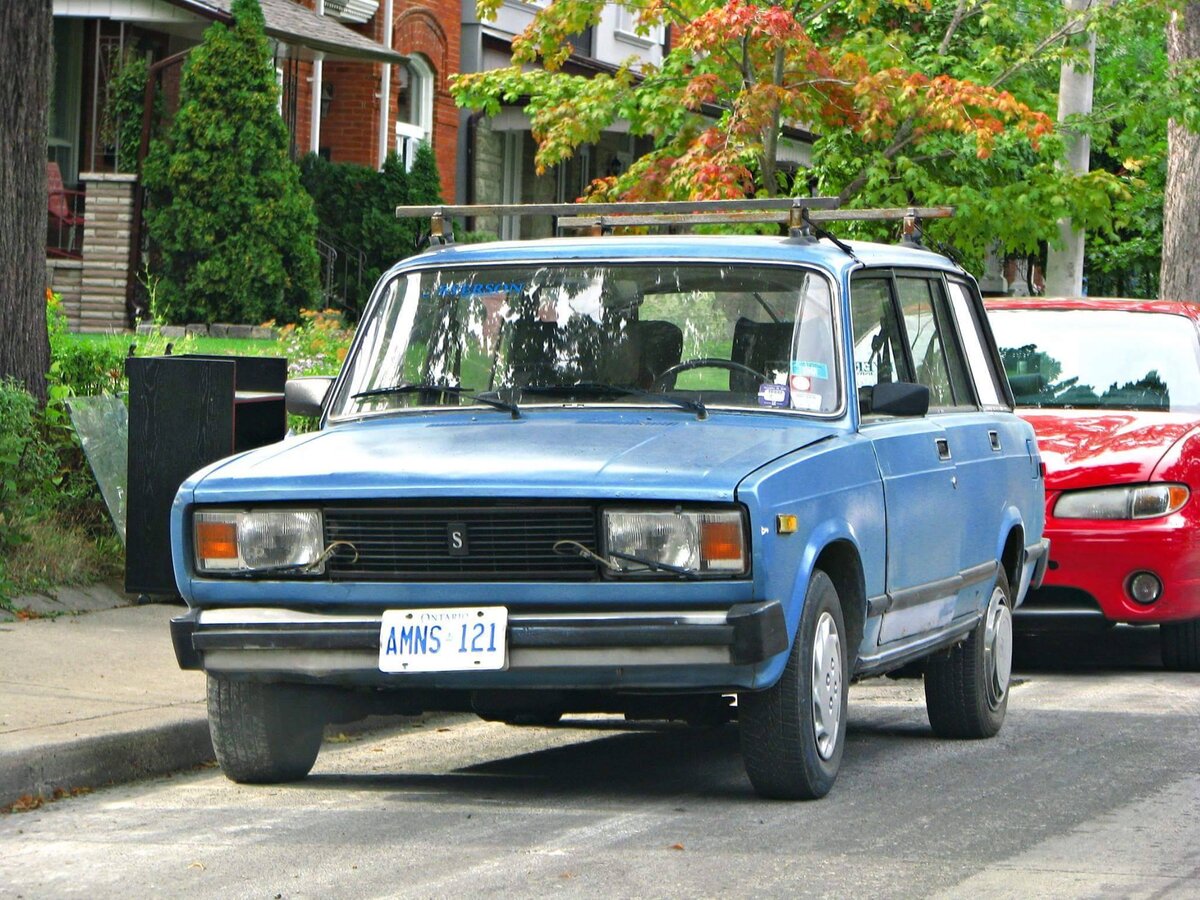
pixel 455 639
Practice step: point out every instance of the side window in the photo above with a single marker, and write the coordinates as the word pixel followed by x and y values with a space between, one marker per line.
pixel 935 353
pixel 878 345
pixel 972 338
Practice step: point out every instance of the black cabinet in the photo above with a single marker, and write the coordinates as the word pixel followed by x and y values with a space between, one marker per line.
pixel 184 413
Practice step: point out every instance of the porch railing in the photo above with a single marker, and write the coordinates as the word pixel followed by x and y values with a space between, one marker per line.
pixel 343 271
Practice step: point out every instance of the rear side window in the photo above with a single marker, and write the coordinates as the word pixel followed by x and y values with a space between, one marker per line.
pixel 935 354
pixel 878 345
pixel 973 345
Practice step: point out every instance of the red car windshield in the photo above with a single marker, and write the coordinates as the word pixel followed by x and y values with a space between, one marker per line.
pixel 1101 359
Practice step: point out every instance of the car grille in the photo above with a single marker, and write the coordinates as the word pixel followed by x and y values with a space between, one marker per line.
pixel 511 542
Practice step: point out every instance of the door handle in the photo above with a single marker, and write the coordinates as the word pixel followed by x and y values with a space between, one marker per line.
pixel 994 440
pixel 943 448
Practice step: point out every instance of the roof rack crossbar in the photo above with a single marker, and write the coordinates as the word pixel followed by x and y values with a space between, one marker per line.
pixel 666 207
pixel 735 217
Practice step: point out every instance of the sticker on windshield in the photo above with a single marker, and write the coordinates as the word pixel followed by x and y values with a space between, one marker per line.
pixel 772 395
pixel 806 401
pixel 471 288
pixel 810 369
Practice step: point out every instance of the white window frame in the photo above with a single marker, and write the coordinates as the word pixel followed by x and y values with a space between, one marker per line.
pixel 626 28
pixel 410 135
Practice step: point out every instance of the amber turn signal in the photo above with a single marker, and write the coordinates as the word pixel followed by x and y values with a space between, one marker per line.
pixel 216 540
pixel 721 544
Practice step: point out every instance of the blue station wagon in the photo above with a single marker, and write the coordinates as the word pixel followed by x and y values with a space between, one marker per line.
pixel 679 477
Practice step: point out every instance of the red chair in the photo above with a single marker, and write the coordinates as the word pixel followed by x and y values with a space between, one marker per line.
pixel 63 208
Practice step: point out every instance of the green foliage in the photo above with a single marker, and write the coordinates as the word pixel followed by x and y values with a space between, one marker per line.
pixel 233 229
pixel 356 208
pixel 27 469
pixel 123 111
pixel 932 102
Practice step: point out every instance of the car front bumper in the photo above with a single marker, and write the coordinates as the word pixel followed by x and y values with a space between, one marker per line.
pixel 711 648
pixel 1091 564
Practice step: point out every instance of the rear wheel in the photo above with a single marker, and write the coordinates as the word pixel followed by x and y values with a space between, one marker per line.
pixel 966 688
pixel 1180 643
pixel 793 733
pixel 263 733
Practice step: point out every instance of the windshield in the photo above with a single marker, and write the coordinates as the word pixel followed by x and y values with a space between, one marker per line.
pixel 687 335
pixel 1103 359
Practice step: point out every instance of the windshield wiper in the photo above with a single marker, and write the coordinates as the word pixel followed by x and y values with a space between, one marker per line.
pixel 599 389
pixel 456 390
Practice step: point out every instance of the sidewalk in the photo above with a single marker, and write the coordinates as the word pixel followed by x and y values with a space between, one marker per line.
pixel 95 698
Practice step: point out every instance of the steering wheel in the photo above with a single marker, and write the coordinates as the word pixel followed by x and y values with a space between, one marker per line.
pixel 706 362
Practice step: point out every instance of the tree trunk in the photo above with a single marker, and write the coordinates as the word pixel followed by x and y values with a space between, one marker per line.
pixel 1180 273
pixel 25 36
pixel 1064 268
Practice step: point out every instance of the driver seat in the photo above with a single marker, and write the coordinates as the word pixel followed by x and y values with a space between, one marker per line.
pixel 660 345
pixel 763 346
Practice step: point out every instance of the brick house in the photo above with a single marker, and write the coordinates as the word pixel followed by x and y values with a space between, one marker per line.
pixel 359 79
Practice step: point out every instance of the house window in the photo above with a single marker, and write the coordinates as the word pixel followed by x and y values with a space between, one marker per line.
pixel 627 25
pixel 64 97
pixel 415 114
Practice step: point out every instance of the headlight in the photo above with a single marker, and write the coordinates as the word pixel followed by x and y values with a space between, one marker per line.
pixel 230 541
pixel 706 543
pixel 1146 501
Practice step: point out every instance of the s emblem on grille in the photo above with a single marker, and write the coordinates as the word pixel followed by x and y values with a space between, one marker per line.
pixel 456 539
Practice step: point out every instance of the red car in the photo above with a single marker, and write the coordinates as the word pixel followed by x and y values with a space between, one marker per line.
pixel 1112 389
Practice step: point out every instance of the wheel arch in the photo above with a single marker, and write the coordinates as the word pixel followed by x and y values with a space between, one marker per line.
pixel 1012 555
pixel 840 560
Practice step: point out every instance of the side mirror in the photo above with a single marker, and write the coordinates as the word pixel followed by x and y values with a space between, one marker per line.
pixel 894 398
pixel 305 396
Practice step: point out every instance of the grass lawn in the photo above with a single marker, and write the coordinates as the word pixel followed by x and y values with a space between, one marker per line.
pixel 206 345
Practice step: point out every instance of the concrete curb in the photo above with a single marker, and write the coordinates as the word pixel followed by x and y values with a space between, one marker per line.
pixel 104 759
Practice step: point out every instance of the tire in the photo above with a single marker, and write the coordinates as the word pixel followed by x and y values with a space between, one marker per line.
pixel 263 733
pixel 793 733
pixel 1180 642
pixel 966 687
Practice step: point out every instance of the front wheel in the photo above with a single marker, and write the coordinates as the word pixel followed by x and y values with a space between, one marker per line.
pixel 793 733
pixel 1180 642
pixel 263 733
pixel 966 688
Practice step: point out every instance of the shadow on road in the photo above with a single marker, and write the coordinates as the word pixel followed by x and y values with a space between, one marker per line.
pixel 665 762
pixel 1083 649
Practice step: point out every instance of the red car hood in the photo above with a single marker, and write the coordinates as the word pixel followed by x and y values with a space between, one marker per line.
pixel 1083 448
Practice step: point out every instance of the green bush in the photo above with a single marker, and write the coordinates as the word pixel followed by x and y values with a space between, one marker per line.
pixel 232 230
pixel 28 482
pixel 356 207
pixel 122 125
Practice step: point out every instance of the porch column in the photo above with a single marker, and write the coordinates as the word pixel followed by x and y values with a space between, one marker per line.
pixel 108 218
pixel 385 87
pixel 315 123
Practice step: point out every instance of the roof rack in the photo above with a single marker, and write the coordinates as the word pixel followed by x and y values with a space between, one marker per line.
pixel 798 213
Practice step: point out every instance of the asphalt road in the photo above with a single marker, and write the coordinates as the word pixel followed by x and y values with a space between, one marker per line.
pixel 1092 789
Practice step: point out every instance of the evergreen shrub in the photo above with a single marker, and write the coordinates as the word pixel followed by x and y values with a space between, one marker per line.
pixel 356 208
pixel 232 230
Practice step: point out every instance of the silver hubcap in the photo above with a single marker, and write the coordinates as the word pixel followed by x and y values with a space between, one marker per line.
pixel 826 685
pixel 997 647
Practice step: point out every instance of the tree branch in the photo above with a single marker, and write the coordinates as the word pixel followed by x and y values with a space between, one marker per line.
pixel 1064 31
pixel 905 135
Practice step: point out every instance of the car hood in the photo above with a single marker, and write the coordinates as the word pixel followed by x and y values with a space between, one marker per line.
pixel 1083 448
pixel 560 453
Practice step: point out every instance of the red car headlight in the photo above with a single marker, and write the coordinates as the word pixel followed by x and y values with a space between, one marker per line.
pixel 1143 501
